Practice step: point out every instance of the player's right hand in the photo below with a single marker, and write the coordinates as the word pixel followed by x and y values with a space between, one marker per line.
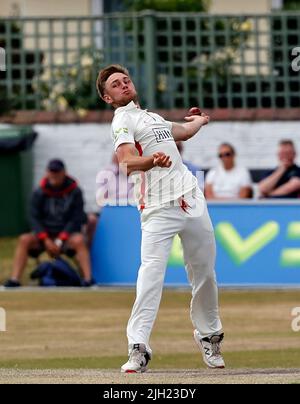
pixel 194 111
pixel 203 118
pixel 160 159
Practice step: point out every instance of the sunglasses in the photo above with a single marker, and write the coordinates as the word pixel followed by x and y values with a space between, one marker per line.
pixel 222 155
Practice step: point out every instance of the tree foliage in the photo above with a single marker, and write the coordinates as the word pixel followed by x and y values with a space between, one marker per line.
pixel 169 5
pixel 71 86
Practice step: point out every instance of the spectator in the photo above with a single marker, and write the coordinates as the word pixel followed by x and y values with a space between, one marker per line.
pixel 90 227
pixel 57 217
pixel 228 181
pixel 113 186
pixel 195 170
pixel 192 167
pixel 284 181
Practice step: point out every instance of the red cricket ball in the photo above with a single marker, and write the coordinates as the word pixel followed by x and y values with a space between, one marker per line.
pixel 194 111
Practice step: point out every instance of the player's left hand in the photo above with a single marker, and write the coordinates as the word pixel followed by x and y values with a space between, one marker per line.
pixel 161 160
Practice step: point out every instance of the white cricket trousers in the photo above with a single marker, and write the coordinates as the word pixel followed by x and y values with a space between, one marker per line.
pixel 159 226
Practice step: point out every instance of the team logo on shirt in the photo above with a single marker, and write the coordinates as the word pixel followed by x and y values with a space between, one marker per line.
pixel 118 132
pixel 162 135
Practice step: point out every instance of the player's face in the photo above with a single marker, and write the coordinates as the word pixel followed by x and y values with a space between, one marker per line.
pixel 56 179
pixel 287 154
pixel 119 90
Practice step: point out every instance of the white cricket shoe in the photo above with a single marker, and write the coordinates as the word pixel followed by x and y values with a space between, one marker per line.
pixel 211 349
pixel 138 359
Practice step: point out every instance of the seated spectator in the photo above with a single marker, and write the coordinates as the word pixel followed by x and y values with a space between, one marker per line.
pixel 284 181
pixel 57 217
pixel 192 167
pixel 90 227
pixel 113 186
pixel 228 181
pixel 195 170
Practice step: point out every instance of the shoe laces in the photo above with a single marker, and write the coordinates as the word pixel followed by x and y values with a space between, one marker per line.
pixel 215 341
pixel 137 356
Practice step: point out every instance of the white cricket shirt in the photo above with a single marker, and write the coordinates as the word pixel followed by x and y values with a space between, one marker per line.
pixel 228 183
pixel 150 133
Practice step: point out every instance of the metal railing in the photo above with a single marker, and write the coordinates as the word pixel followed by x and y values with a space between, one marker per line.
pixel 176 60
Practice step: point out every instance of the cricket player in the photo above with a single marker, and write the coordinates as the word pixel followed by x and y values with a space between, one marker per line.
pixel 170 203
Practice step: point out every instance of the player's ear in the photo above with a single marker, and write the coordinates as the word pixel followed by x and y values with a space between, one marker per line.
pixel 107 99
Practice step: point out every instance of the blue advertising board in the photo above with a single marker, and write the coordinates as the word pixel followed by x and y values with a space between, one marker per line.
pixel 257 244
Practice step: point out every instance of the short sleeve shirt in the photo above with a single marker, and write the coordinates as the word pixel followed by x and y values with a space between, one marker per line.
pixel 150 133
pixel 228 183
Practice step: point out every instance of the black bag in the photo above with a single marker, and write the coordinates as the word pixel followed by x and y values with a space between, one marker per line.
pixel 56 273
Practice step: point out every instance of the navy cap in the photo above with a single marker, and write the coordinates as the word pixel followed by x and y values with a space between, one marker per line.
pixel 56 165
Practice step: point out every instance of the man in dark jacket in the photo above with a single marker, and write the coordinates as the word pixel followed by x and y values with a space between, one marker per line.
pixel 57 217
pixel 284 181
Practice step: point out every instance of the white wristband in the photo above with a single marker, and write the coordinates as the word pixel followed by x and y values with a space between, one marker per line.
pixel 58 242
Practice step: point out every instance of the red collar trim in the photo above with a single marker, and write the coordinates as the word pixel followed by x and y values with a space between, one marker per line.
pixel 52 193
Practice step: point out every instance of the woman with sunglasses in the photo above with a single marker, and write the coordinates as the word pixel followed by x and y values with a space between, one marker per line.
pixel 228 180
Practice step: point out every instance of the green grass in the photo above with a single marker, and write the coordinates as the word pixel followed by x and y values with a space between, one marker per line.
pixel 7 247
pixel 7 250
pixel 86 329
pixel 288 358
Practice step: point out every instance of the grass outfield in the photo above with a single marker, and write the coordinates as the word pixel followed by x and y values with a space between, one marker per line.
pixel 7 251
pixel 86 330
pixel 78 336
